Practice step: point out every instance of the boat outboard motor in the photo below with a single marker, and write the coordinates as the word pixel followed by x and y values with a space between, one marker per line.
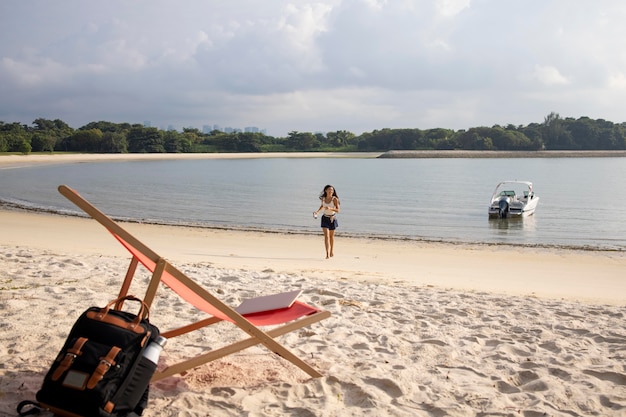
pixel 503 207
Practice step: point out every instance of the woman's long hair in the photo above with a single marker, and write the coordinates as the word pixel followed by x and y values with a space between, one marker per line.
pixel 323 193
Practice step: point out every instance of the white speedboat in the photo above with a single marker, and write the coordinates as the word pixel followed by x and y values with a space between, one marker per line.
pixel 513 199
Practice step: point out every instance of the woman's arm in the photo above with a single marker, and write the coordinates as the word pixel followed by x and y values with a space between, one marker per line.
pixel 316 212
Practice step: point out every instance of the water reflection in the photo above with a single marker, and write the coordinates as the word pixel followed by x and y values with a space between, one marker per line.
pixel 513 224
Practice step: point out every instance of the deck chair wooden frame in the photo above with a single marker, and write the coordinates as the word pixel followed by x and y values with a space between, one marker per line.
pixel 190 291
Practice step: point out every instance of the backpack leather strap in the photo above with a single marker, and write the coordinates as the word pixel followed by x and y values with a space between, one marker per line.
pixel 105 364
pixel 69 358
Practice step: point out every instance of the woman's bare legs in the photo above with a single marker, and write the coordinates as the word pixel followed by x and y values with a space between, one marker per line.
pixel 327 241
pixel 331 240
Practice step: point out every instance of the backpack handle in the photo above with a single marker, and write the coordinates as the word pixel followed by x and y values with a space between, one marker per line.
pixel 143 313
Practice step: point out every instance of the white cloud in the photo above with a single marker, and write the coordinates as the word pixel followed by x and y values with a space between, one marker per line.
pixel 618 81
pixel 450 8
pixel 549 75
pixel 440 44
pixel 376 4
pixel 301 26
pixel 326 65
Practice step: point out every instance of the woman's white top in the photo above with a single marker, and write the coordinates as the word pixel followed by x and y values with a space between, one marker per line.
pixel 327 207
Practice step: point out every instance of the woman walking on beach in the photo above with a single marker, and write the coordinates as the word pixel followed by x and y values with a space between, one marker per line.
pixel 330 206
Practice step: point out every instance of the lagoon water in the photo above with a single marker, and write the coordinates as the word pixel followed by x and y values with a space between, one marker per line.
pixel 582 200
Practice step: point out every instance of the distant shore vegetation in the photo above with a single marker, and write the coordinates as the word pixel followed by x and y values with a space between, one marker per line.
pixel 554 133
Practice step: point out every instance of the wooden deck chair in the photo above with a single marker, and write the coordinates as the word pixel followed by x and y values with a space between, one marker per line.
pixel 295 317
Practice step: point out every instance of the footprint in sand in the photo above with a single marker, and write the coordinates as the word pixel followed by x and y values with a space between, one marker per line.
pixel 505 388
pixel 355 396
pixel 614 377
pixel 530 382
pixel 386 385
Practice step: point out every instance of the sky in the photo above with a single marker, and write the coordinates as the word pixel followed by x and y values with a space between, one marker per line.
pixel 324 66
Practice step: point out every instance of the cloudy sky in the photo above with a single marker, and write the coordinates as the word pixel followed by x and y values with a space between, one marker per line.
pixel 283 66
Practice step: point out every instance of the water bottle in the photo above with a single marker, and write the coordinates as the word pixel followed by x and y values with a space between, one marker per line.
pixel 153 350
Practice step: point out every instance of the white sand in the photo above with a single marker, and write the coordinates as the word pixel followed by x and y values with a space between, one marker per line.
pixel 12 161
pixel 417 329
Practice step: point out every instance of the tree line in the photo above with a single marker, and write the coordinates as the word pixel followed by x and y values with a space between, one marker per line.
pixel 555 133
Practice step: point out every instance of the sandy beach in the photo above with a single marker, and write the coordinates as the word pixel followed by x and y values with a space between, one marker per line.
pixel 13 161
pixel 417 329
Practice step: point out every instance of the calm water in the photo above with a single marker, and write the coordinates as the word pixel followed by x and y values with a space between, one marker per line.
pixel 582 200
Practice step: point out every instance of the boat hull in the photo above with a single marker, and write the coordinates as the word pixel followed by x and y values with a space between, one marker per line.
pixel 494 213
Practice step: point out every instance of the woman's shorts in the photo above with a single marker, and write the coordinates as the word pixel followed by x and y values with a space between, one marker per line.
pixel 329 222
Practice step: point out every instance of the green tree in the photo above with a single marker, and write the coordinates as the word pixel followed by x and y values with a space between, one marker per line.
pixel 86 141
pixel 555 136
pixel 41 142
pixel 105 127
pixel 510 139
pixel 49 134
pixel 437 138
pixel 193 135
pixel 379 140
pixel 534 133
pixel 145 140
pixel 24 147
pixel 13 137
pixel 476 138
pixel 239 142
pixel 584 133
pixel 248 142
pixel 175 142
pixel 303 141
pixel 213 140
pixel 114 142
pixel 340 138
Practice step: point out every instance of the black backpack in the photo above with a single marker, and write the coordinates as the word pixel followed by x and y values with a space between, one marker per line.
pixel 101 370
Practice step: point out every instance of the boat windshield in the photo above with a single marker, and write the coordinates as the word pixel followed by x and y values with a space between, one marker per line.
pixel 513 190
